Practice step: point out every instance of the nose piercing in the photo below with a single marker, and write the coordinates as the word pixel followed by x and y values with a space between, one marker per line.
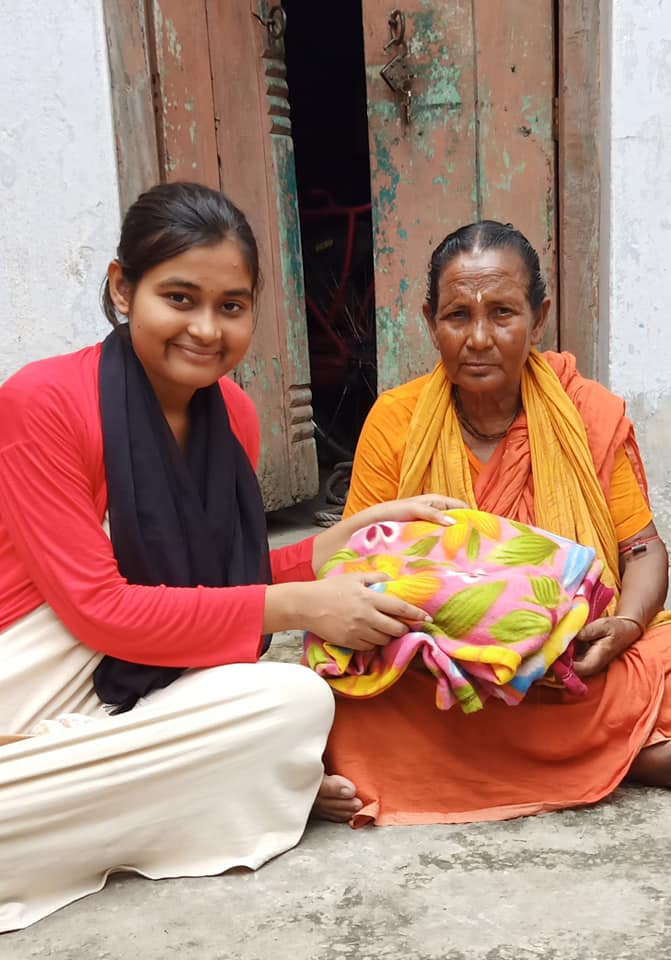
pixel 478 296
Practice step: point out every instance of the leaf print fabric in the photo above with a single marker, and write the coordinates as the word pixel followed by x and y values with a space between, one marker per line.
pixel 506 600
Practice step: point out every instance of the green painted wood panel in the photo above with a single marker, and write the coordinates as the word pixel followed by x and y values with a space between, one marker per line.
pixel 223 118
pixel 423 174
pixel 516 164
pixel 480 144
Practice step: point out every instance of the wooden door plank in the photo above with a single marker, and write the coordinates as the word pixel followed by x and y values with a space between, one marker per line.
pixel 186 125
pixel 579 179
pixel 514 46
pixel 422 175
pixel 132 100
pixel 257 170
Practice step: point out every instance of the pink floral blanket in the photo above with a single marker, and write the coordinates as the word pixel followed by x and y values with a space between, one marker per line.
pixel 506 600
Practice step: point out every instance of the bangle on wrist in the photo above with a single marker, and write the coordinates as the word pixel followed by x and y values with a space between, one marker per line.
pixel 638 623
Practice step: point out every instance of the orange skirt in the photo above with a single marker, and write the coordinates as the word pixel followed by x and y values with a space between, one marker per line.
pixel 413 763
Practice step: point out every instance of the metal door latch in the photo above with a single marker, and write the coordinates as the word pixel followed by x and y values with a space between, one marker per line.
pixel 275 23
pixel 397 73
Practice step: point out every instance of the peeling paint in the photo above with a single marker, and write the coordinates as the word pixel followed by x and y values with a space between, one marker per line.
pixel 385 170
pixel 417 174
pixel 174 46
pixel 479 144
pixel 290 253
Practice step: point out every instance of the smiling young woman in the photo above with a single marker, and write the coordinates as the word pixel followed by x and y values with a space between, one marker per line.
pixel 192 322
pixel 137 591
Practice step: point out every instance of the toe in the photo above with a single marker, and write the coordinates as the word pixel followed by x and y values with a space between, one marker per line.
pixel 339 811
pixel 336 800
pixel 335 787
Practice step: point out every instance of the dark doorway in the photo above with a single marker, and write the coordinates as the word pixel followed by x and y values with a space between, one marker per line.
pixel 327 93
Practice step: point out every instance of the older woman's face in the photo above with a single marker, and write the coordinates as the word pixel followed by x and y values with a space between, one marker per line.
pixel 484 326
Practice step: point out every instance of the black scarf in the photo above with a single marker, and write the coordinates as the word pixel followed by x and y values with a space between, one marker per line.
pixel 182 520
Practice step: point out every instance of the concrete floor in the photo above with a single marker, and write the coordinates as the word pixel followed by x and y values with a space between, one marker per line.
pixel 591 884
pixel 577 885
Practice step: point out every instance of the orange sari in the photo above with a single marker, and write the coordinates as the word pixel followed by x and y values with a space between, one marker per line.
pixel 415 764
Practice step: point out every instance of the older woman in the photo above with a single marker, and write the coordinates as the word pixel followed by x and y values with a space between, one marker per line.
pixel 522 434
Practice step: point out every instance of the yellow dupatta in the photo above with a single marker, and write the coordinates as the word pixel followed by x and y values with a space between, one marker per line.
pixel 567 496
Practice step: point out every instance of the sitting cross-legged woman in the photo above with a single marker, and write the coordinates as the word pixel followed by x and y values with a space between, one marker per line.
pixel 136 587
pixel 518 433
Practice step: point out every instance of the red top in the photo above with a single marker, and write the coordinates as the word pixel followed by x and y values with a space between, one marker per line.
pixel 53 549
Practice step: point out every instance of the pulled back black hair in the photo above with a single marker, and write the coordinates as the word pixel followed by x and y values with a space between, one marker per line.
pixel 486 235
pixel 170 219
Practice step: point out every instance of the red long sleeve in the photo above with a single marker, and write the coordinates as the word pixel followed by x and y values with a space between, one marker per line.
pixel 53 548
pixel 293 562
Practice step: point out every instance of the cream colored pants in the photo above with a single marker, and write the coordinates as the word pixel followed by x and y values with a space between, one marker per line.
pixel 218 770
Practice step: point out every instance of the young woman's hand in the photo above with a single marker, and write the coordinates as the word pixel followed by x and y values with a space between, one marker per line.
pixel 425 506
pixel 341 610
pixel 344 610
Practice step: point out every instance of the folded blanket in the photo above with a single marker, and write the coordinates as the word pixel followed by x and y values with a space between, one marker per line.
pixel 506 599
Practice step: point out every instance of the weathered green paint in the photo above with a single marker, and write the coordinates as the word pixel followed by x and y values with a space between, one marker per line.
pixel 516 151
pixel 184 97
pixel 129 56
pixel 291 256
pixel 290 469
pixel 174 46
pixel 386 171
pixel 477 146
pixel 420 173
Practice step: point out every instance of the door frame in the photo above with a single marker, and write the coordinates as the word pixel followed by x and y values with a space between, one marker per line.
pixel 577 121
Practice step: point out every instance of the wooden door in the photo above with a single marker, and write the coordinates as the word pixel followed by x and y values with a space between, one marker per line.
pixel 480 144
pixel 257 170
pixel 222 118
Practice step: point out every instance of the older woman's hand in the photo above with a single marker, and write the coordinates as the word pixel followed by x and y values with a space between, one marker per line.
pixel 602 641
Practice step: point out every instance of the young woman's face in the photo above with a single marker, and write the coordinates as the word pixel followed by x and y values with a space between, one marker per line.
pixel 191 317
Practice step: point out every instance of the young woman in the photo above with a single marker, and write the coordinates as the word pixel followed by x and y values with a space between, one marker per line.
pixel 136 587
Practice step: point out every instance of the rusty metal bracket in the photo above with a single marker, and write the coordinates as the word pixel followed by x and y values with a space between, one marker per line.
pixel 397 73
pixel 396 23
pixel 275 23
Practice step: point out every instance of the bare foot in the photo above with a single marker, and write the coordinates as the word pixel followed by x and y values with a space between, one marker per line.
pixel 336 800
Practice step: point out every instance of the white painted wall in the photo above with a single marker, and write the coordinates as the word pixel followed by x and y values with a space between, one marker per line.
pixel 58 185
pixel 635 332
